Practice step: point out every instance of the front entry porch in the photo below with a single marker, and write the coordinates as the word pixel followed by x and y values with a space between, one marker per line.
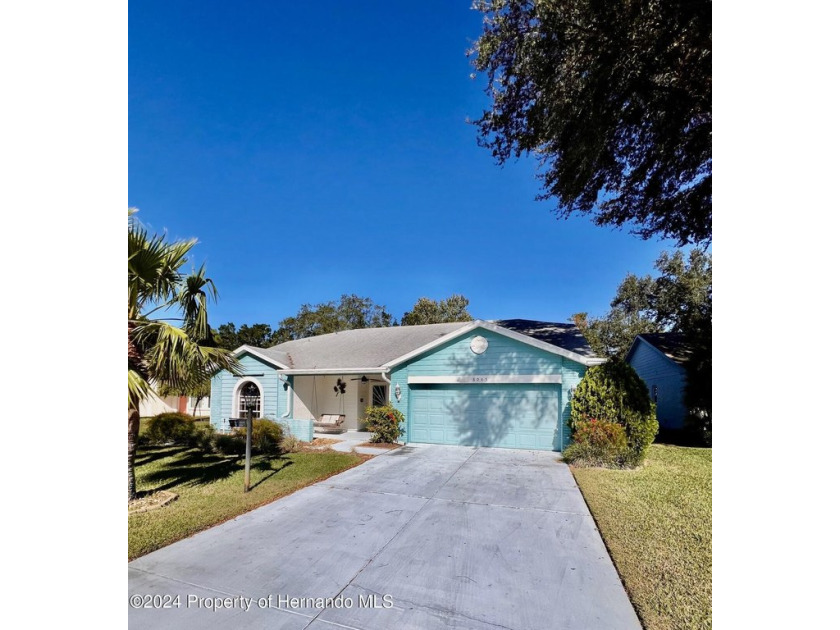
pixel 337 402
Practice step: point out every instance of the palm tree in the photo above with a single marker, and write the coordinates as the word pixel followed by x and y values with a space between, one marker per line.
pixel 175 356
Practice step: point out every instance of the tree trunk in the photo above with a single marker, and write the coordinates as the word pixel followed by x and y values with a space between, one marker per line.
pixel 133 434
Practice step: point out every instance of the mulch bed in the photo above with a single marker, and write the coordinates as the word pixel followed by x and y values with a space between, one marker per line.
pixel 390 447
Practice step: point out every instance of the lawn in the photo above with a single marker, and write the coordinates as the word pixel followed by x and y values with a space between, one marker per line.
pixel 210 488
pixel 657 524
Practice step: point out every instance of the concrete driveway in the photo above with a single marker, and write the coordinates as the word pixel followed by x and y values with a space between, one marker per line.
pixel 422 537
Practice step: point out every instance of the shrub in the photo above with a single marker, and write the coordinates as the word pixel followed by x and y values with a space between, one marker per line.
pixel 290 444
pixel 266 436
pixel 386 423
pixel 202 436
pixel 229 443
pixel 698 424
pixel 170 427
pixel 614 393
pixel 598 443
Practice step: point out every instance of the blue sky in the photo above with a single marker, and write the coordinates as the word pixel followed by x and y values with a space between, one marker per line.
pixel 317 149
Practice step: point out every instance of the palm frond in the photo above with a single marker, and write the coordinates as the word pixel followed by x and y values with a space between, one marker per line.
pixel 192 300
pixel 153 267
pixel 176 360
pixel 138 388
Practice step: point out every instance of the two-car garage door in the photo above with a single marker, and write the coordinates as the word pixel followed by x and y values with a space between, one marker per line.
pixel 512 416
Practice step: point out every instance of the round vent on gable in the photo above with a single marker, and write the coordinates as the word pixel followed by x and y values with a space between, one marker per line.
pixel 478 344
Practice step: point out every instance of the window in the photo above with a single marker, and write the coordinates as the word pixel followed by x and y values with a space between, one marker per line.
pixel 654 393
pixel 249 389
pixel 379 396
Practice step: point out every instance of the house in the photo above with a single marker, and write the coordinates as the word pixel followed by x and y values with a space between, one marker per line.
pixel 483 383
pixel 659 359
pixel 155 404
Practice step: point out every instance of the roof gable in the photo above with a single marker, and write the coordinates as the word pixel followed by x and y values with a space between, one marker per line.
pixel 261 354
pixel 591 359
pixel 672 345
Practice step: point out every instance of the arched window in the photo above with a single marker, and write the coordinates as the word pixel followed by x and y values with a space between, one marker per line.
pixel 249 389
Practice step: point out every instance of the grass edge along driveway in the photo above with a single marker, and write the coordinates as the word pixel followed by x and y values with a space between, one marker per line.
pixel 210 488
pixel 657 524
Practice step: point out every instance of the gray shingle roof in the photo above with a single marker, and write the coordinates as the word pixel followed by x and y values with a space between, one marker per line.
pixel 374 347
pixel 362 348
pixel 566 336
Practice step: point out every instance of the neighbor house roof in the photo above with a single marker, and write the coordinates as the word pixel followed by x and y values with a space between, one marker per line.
pixel 566 336
pixel 672 344
pixel 366 349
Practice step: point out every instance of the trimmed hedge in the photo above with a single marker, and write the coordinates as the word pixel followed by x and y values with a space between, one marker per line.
pixel 611 393
pixel 170 427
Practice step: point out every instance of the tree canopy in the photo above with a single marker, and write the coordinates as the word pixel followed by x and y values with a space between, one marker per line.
pixel 257 335
pixel 614 98
pixel 679 300
pixel 429 311
pixel 349 313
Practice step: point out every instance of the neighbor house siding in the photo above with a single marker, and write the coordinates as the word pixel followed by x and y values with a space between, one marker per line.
pixel 658 371
pixel 223 385
pixel 503 356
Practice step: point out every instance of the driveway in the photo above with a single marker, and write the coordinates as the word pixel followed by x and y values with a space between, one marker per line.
pixel 422 537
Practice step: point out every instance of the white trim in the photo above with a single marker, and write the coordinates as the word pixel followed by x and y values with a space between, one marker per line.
pixel 485 379
pixel 433 344
pixel 234 403
pixel 250 350
pixel 317 371
pixel 388 385
pixel 530 341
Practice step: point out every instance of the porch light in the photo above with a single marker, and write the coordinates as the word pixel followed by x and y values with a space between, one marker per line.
pixel 250 398
pixel 397 392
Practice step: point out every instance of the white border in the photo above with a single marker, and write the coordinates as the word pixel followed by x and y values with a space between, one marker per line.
pixel 530 341
pixel 484 379
pixel 316 371
pixel 234 408
pixel 256 353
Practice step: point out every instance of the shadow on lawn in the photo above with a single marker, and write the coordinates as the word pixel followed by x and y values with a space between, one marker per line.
pixel 149 454
pixel 266 465
pixel 195 468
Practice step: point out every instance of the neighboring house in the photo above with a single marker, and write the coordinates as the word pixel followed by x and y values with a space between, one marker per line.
pixel 154 404
pixel 504 383
pixel 659 359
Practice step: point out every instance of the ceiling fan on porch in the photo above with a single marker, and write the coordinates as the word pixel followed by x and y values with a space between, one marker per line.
pixel 365 379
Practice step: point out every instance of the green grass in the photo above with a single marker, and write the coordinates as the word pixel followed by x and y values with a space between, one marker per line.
pixel 210 488
pixel 657 524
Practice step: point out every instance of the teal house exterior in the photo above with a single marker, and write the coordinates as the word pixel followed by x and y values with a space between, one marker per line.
pixel 500 384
